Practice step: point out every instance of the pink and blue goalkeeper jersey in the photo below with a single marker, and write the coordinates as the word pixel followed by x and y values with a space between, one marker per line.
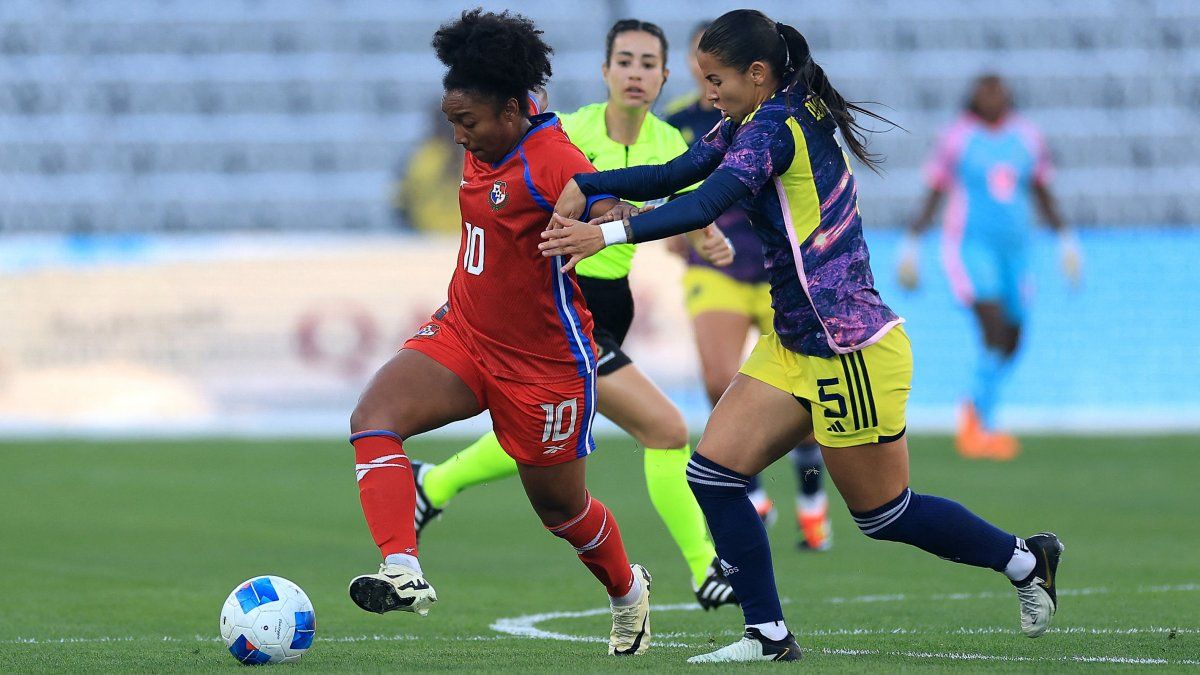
pixel 988 174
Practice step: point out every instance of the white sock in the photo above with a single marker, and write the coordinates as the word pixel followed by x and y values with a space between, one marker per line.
pixel 812 504
pixel 404 560
pixel 775 630
pixel 1021 563
pixel 630 598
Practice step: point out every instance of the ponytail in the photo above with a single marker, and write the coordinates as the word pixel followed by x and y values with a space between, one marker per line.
pixel 799 67
pixel 743 36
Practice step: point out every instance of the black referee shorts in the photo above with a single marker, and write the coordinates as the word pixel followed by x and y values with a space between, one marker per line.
pixel 611 304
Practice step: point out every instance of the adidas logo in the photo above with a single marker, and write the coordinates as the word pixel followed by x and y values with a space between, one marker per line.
pixel 837 427
pixel 728 569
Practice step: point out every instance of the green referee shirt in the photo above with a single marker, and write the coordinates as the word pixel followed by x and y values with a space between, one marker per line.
pixel 657 143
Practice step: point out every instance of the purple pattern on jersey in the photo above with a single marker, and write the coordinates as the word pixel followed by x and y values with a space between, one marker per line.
pixel 827 304
pixel 748 265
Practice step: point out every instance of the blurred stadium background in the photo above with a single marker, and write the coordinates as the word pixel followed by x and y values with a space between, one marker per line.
pixel 201 229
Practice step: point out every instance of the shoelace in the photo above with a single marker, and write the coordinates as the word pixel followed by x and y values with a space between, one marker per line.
pixel 1031 605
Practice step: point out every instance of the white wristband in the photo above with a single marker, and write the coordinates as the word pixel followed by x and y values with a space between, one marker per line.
pixel 614 232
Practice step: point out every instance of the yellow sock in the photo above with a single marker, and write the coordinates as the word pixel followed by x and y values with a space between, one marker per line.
pixel 666 481
pixel 481 462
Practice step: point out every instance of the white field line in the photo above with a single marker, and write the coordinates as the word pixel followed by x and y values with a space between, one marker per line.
pixel 527 627
pixel 969 656
pixel 201 638
pixel 1068 592
pixel 675 635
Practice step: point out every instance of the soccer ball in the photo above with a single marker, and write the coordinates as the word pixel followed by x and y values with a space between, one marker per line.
pixel 268 619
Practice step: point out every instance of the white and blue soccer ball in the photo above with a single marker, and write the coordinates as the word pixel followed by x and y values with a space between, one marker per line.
pixel 268 619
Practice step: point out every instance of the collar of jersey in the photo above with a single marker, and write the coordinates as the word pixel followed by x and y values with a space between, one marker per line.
pixel 538 123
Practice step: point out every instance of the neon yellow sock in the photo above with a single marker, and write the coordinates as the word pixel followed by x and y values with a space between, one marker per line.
pixel 666 481
pixel 481 462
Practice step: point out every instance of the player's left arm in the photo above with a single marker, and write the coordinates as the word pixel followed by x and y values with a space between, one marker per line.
pixel 1069 252
pixel 761 149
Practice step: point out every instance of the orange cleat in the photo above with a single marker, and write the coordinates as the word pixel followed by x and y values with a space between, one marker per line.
pixel 970 439
pixel 815 528
pixel 1001 447
pixel 973 441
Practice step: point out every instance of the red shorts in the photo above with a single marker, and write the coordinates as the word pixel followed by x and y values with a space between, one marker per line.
pixel 537 423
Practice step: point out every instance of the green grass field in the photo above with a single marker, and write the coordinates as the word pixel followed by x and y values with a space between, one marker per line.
pixel 118 555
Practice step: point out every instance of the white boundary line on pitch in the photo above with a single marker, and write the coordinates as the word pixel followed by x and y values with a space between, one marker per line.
pixel 970 656
pixel 820 632
pixel 527 626
pixel 1069 592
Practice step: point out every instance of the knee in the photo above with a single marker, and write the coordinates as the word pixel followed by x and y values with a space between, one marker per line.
pixel 711 482
pixel 715 384
pixel 555 514
pixel 668 432
pixel 888 522
pixel 368 416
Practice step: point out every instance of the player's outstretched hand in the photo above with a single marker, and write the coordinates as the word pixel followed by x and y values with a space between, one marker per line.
pixel 908 267
pixel 714 246
pixel 573 238
pixel 621 211
pixel 1072 259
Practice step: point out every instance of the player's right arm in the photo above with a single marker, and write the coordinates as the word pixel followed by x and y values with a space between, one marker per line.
pixel 651 181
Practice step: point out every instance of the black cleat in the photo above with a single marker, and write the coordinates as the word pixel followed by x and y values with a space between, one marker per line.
pixel 425 511
pixel 716 589
pixel 1037 592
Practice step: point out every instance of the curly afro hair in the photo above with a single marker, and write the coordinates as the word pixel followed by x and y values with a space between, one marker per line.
pixel 500 56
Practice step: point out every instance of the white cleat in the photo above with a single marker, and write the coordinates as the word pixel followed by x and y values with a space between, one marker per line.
pixel 753 647
pixel 631 625
pixel 395 587
pixel 1038 594
pixel 1036 608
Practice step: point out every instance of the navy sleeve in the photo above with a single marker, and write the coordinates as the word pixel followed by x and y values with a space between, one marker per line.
pixel 763 148
pixel 658 181
pixel 691 211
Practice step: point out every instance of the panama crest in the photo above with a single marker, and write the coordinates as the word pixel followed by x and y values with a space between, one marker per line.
pixel 499 195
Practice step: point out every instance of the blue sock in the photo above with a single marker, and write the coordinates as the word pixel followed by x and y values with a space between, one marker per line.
pixel 739 535
pixel 806 459
pixel 990 373
pixel 940 526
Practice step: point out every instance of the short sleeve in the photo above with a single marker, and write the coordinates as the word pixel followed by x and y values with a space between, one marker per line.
pixel 940 167
pixel 761 149
pixel 551 176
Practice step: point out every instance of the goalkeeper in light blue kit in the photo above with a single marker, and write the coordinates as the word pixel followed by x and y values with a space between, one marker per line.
pixel 991 164
pixel 838 365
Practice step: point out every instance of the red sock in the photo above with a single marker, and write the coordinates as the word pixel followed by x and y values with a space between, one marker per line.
pixel 386 489
pixel 597 540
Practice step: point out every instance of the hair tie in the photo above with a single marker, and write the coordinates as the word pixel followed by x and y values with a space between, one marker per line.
pixel 787 53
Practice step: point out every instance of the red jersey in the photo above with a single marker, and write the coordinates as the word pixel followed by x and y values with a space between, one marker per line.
pixel 526 318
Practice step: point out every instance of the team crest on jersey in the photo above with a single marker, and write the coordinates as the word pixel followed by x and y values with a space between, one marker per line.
pixel 428 330
pixel 499 195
